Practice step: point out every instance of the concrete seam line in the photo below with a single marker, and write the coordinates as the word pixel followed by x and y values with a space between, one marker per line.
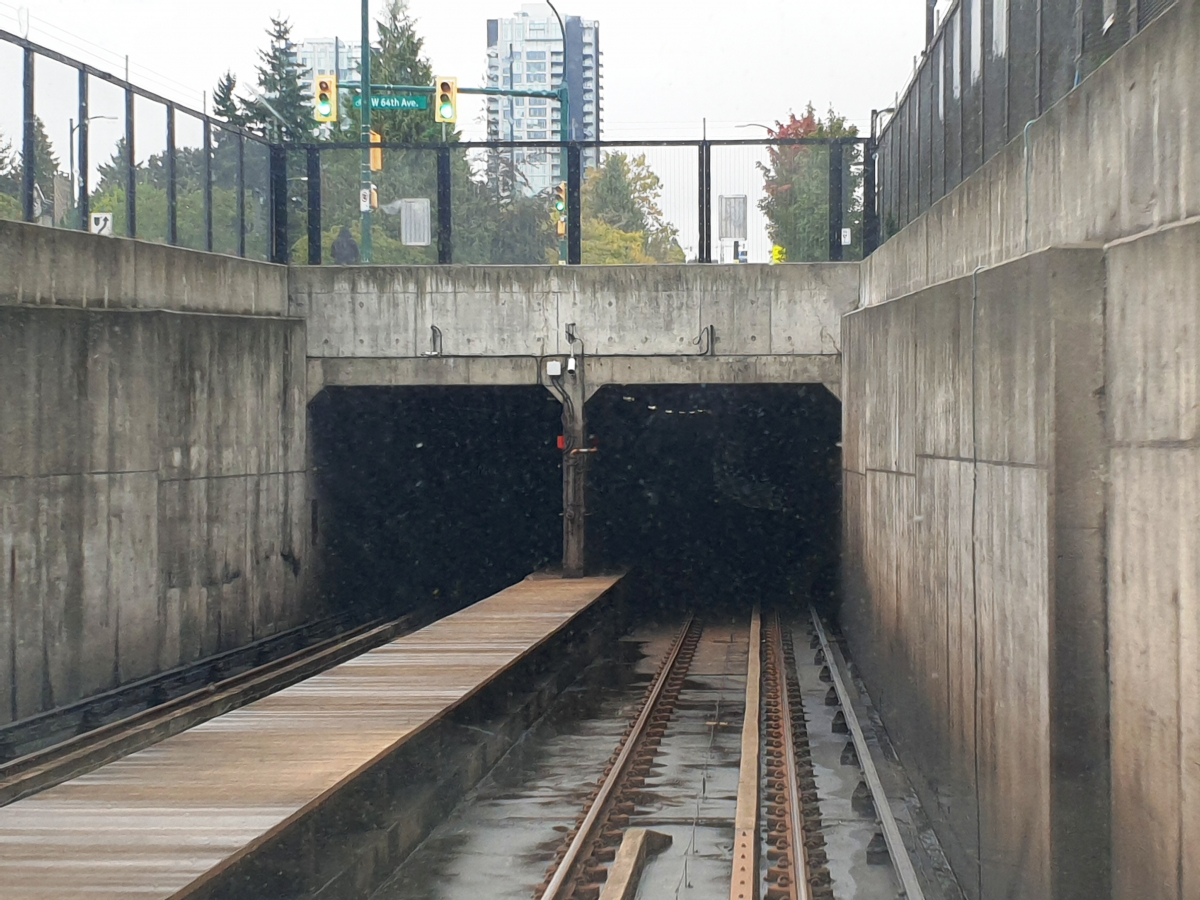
pixel 1150 232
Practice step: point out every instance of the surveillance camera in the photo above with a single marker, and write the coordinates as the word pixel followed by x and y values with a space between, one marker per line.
pixel 571 365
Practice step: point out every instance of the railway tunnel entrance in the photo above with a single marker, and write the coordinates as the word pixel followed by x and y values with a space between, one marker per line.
pixel 442 495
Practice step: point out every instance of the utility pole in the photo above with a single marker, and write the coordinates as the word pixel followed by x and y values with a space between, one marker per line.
pixel 365 90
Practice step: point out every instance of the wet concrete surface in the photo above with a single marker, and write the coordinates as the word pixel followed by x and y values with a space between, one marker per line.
pixel 500 840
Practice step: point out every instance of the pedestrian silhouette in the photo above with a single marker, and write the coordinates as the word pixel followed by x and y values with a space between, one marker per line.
pixel 345 250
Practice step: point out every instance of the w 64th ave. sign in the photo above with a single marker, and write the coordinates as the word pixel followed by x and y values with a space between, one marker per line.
pixel 395 101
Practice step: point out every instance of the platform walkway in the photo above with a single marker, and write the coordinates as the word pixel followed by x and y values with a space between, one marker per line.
pixel 173 815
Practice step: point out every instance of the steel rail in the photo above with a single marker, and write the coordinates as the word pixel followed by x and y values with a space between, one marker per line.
pixel 891 832
pixel 801 886
pixel 745 841
pixel 562 875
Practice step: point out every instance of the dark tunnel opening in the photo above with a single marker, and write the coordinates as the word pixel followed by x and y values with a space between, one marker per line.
pixel 715 494
pixel 719 494
pixel 435 495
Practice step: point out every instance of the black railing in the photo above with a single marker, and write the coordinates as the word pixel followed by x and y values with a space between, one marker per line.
pixel 494 188
pixel 164 172
pixel 993 66
pixel 201 182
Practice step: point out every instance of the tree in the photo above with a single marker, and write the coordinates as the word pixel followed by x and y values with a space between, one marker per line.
pixel 10 185
pixel 226 104
pixel 796 185
pixel 623 196
pixel 281 109
pixel 398 60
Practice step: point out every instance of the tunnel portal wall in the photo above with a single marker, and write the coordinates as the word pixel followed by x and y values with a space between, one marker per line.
pixel 152 463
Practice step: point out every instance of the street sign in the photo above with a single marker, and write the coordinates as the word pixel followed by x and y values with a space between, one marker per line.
pixel 732 217
pixel 395 101
pixel 847 237
pixel 415 230
pixel 101 223
pixel 364 200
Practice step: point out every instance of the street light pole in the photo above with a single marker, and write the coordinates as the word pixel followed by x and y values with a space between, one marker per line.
pixel 365 91
pixel 564 126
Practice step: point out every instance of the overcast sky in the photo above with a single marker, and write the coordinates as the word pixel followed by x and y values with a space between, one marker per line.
pixel 748 61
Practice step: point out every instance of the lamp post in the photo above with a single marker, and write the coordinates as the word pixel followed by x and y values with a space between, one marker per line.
pixel 71 143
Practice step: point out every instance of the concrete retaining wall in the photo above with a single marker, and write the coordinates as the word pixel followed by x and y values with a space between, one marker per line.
pixel 53 266
pixel 152 493
pixel 1115 157
pixel 1153 394
pixel 974 589
pixel 618 310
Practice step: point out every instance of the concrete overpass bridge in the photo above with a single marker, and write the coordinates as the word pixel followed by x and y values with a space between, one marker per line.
pixel 500 325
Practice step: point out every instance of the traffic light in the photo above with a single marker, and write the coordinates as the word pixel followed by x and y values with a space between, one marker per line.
pixel 325 106
pixel 376 152
pixel 445 100
pixel 560 198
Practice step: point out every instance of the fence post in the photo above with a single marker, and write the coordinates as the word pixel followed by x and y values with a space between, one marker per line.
pixel 83 200
pixel 314 206
pixel 574 211
pixel 172 187
pixel 130 169
pixel 208 187
pixel 241 194
pixel 279 205
pixel 704 250
pixel 28 142
pixel 835 201
pixel 445 226
pixel 870 236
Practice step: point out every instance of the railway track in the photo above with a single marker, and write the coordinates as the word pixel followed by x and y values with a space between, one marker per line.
pixel 779 836
pixel 65 744
pixel 578 871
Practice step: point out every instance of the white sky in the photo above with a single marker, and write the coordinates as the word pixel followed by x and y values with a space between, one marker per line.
pixel 667 67
pixel 749 61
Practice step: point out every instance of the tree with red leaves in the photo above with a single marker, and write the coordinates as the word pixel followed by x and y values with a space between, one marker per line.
pixel 796 186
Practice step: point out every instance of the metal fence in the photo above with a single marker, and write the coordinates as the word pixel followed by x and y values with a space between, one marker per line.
pixel 992 67
pixel 137 164
pixel 142 166
pixel 494 202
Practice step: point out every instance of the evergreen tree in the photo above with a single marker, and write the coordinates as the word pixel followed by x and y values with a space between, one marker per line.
pixel 281 109
pixel 226 105
pixel 398 60
pixel 10 184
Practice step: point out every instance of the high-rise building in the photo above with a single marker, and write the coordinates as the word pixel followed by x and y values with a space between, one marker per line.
pixel 526 52
pixel 324 56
